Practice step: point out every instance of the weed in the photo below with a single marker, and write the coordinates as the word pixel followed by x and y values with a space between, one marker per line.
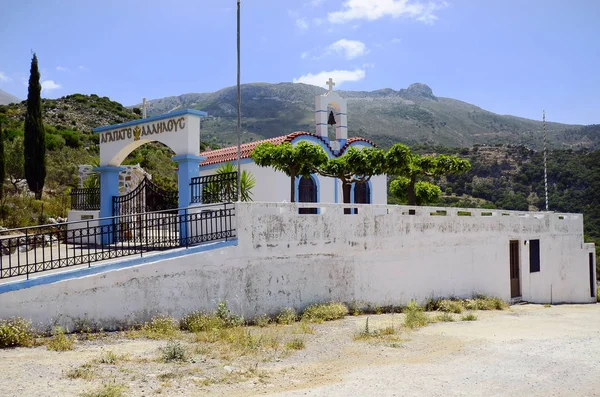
pixel 174 352
pixel 547 305
pixel 230 319
pixel 295 344
pixel 169 376
pixel 388 333
pixel 354 308
pixel 201 322
pixel 445 317
pixel 160 327
pixel 59 341
pixel 262 321
pixel 107 390
pixel 469 317
pixel 85 372
pixel 109 357
pixel 287 316
pixel 15 332
pixel 304 328
pixel 324 312
pixel 414 316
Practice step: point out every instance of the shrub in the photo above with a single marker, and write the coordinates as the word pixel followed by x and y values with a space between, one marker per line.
pixel 161 327
pixel 445 317
pixel 84 372
pixel 295 344
pixel 287 316
pixel 469 317
pixel 414 316
pixel 200 322
pixel 59 341
pixel 324 312
pixel 174 352
pixel 262 321
pixel 15 332
pixel 230 319
pixel 451 306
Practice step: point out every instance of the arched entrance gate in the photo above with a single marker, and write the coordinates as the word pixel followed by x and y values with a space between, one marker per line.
pixel 180 132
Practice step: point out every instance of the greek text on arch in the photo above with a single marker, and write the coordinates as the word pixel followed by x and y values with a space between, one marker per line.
pixel 150 129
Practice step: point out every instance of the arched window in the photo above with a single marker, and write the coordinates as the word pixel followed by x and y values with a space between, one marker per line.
pixel 307 193
pixel 362 193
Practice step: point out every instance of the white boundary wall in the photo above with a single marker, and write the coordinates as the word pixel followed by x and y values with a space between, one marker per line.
pixel 380 256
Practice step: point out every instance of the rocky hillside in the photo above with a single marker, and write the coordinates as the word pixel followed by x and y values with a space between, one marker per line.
pixel 412 115
pixel 6 98
pixel 76 112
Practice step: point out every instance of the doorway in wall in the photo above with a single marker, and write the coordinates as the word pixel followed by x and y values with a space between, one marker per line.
pixel 592 281
pixel 307 193
pixel 515 273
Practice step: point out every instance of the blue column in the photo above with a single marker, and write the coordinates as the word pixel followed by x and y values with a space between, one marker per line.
pixel 109 187
pixel 188 168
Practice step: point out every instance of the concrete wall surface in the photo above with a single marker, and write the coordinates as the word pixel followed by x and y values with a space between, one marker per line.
pixel 382 255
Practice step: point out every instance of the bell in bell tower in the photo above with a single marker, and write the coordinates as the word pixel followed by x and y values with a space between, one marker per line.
pixel 330 109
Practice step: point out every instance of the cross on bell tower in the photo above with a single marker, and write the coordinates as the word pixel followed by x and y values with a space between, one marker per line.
pixel 331 84
pixel 330 109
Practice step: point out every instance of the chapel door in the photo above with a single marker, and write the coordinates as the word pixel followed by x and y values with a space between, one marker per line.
pixel 515 278
pixel 307 193
pixel 362 194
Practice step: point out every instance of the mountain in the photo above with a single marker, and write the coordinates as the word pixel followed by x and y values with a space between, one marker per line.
pixel 411 115
pixel 6 98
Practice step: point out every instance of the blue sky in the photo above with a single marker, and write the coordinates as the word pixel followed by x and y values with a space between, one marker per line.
pixel 508 56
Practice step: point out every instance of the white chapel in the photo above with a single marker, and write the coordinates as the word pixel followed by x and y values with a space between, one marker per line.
pixel 272 186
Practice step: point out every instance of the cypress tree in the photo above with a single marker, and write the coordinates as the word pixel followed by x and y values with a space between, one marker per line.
pixel 2 163
pixel 35 137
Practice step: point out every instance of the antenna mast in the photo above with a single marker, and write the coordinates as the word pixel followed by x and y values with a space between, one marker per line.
pixel 545 158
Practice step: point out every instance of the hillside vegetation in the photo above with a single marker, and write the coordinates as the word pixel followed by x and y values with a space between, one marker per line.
pixel 413 115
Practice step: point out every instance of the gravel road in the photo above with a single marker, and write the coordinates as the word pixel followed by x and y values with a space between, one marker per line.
pixel 528 350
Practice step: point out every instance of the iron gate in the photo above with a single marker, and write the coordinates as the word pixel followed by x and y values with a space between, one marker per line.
pixel 135 224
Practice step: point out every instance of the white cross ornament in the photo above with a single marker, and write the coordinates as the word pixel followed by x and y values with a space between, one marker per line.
pixel 331 84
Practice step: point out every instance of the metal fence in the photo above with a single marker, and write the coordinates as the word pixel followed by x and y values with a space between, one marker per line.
pixel 87 199
pixel 46 248
pixel 218 188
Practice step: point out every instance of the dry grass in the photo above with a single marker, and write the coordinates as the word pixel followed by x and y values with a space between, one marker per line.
pixel 107 390
pixel 85 372
pixel 414 316
pixel 321 312
pixel 59 341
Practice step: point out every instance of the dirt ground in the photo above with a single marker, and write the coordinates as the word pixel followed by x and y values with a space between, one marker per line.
pixel 528 350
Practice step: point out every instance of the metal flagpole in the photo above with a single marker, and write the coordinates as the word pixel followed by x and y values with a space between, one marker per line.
pixel 239 107
pixel 545 158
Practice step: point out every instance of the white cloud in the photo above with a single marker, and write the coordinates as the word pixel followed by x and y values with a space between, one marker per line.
pixel 350 48
pixel 338 76
pixel 304 55
pixel 49 85
pixel 396 40
pixel 317 21
pixel 315 3
pixel 81 67
pixel 302 23
pixel 4 77
pixel 62 69
pixel 372 10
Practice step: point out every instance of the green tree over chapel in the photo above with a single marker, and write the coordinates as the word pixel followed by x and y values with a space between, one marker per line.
pixel 300 160
pixel 35 138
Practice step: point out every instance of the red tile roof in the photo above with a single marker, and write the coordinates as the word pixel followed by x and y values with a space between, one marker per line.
pixel 230 153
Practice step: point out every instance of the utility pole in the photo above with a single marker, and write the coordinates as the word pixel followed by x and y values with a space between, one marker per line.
pixel 545 158
pixel 239 108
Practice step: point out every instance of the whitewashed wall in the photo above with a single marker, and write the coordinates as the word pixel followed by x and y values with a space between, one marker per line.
pixel 381 256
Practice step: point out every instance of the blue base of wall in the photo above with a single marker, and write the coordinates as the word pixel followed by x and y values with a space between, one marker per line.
pixel 130 262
